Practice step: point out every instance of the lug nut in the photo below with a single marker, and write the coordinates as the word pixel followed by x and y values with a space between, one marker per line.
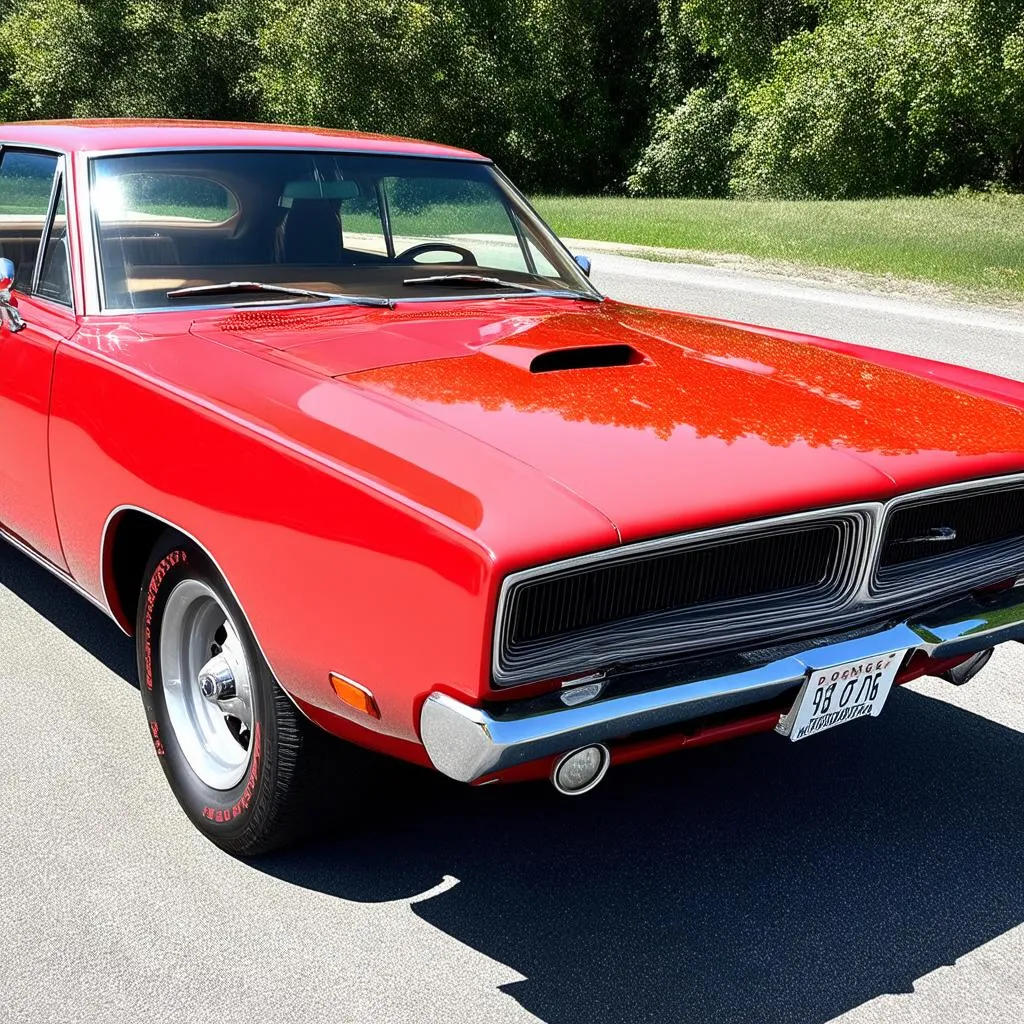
pixel 216 680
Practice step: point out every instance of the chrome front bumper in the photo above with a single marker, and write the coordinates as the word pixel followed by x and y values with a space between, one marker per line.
pixel 467 743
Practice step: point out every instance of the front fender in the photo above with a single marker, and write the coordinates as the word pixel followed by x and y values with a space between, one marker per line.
pixel 974 382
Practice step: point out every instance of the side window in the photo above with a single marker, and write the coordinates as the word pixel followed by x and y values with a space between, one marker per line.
pixel 26 180
pixel 54 276
pixel 361 226
pixel 467 214
pixel 133 201
pixel 154 220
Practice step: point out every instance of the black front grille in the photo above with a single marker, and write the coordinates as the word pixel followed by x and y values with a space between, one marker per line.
pixel 803 558
pixel 772 582
pixel 950 525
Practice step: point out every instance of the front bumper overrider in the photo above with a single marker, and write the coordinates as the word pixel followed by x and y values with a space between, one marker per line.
pixel 467 742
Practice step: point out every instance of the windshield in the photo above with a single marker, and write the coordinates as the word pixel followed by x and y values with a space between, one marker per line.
pixel 394 227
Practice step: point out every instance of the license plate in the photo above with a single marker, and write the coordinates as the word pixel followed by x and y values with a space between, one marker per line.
pixel 841 693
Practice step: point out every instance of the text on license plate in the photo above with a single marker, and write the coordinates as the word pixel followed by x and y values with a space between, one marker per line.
pixel 842 693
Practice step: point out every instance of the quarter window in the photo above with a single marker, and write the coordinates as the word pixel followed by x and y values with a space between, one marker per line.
pixel 159 198
pixel 26 181
pixel 54 276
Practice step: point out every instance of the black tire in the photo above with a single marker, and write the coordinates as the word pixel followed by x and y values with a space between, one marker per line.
pixel 272 805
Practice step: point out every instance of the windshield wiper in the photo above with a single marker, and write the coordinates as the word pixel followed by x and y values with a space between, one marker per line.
pixel 227 287
pixel 475 280
pixel 471 281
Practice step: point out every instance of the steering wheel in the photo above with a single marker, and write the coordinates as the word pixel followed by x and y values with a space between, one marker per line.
pixel 410 254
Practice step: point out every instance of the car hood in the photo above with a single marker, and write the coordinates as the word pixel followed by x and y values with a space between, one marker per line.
pixel 663 421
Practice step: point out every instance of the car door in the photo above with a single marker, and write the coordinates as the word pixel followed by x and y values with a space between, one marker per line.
pixel 32 208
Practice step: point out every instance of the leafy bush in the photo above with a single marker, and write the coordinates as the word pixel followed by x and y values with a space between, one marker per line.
pixel 741 33
pixel 690 152
pixel 139 58
pixel 882 99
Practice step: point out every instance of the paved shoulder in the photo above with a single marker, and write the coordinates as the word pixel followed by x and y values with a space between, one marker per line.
pixel 991 340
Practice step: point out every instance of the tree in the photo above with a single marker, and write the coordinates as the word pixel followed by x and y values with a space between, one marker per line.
pixel 883 99
pixel 741 33
pixel 691 149
pixel 137 58
pixel 710 52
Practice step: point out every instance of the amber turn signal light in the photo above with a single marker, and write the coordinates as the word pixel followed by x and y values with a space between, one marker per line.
pixel 355 696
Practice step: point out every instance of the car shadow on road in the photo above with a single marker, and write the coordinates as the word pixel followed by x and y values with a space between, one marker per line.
pixel 85 624
pixel 756 881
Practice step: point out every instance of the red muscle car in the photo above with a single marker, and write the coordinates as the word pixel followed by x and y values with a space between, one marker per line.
pixel 337 429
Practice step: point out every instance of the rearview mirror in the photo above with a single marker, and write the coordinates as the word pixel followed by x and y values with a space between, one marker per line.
pixel 583 262
pixel 317 190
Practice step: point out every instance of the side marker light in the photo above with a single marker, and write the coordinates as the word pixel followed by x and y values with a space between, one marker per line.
pixel 355 696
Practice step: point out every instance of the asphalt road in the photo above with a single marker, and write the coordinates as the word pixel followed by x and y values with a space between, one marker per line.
pixel 876 874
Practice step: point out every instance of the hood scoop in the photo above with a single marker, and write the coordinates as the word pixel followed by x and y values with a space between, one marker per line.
pixel 586 357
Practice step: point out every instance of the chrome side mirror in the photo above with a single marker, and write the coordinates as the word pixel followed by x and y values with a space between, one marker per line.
pixel 6 278
pixel 7 310
pixel 583 262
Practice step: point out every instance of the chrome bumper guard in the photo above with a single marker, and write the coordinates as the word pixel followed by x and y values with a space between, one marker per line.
pixel 468 743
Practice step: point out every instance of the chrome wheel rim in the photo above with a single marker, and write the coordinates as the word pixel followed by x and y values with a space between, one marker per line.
pixel 207 684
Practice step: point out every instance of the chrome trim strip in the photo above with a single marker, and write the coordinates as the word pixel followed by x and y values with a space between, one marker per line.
pixel 468 743
pixel 54 570
pixel 37 146
pixel 56 184
pixel 456 156
pixel 88 245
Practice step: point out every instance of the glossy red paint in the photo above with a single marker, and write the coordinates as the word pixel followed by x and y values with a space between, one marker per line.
pixel 921 665
pixel 365 479
pixel 113 135
pixel 715 418
pixel 26 368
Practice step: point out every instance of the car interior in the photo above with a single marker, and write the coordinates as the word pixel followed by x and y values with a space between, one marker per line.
pixel 362 234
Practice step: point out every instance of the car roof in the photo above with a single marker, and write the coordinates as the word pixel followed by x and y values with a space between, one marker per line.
pixel 109 135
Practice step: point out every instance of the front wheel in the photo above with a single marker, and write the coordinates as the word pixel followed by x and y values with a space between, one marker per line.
pixel 238 755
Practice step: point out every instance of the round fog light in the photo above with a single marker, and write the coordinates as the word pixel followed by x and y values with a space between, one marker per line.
pixel 580 770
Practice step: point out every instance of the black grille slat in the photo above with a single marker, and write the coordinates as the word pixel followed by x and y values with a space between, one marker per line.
pixel 977 519
pixel 801 559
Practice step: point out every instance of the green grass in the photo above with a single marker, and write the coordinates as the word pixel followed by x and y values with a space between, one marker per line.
pixel 210 214
pixel 25 196
pixel 963 241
